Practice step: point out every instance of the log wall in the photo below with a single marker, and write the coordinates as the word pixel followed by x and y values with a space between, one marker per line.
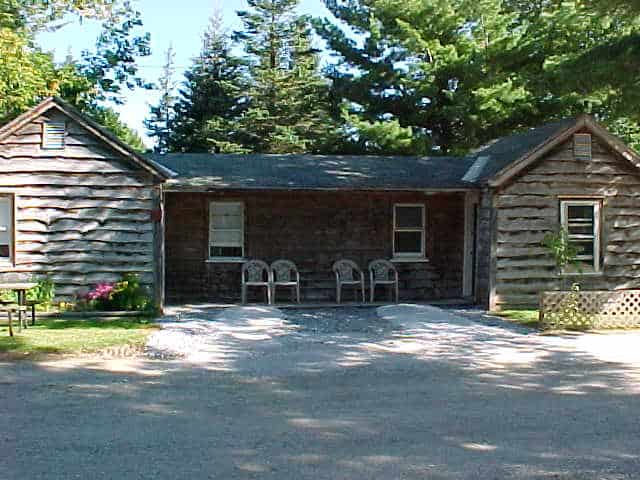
pixel 313 230
pixel 529 207
pixel 83 214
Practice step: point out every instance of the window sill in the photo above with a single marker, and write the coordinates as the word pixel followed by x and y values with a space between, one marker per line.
pixel 225 260
pixel 583 274
pixel 410 260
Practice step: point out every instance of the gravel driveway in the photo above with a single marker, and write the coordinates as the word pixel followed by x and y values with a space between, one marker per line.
pixel 402 392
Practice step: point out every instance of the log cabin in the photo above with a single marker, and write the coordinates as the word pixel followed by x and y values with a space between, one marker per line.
pixel 80 206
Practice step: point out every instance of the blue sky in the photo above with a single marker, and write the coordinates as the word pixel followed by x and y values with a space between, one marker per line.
pixel 180 23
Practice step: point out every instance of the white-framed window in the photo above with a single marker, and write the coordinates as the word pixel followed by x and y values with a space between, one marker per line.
pixel 226 230
pixel 7 228
pixel 408 230
pixel 581 219
pixel 53 135
pixel 582 146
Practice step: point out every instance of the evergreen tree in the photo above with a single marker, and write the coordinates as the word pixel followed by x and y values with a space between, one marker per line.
pixel 160 122
pixel 287 109
pixel 212 91
pixel 462 72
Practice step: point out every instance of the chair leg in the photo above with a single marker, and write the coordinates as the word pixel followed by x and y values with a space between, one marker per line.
pixel 373 289
pixel 298 292
pixel 397 293
pixel 364 298
pixel 10 315
pixel 269 297
pixel 338 292
pixel 244 294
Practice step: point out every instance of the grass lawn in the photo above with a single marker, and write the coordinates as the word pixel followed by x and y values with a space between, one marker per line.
pixel 528 318
pixel 74 336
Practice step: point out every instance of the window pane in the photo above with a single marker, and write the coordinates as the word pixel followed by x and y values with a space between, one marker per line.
pixel 225 251
pixel 585 247
pixel 580 213
pixel 221 208
pixel 227 221
pixel 408 242
pixel 580 229
pixel 408 217
pixel 226 215
pixel 6 225
pixel 226 237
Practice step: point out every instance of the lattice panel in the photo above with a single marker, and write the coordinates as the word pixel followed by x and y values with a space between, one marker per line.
pixel 594 309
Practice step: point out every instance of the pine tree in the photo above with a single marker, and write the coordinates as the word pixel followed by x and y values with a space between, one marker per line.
pixel 160 122
pixel 461 72
pixel 212 91
pixel 287 110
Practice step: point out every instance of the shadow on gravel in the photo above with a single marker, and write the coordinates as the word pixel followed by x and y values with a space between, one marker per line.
pixel 437 401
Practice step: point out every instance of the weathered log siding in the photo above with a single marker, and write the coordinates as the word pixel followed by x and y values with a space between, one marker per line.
pixel 83 215
pixel 484 248
pixel 529 206
pixel 314 230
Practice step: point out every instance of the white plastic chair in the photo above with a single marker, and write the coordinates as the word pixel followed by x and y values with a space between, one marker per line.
pixel 383 272
pixel 284 273
pixel 348 273
pixel 255 273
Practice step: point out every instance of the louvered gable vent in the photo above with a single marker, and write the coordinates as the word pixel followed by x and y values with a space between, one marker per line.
pixel 53 135
pixel 582 146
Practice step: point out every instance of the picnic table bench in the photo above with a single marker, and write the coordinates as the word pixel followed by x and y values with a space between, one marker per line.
pixel 21 307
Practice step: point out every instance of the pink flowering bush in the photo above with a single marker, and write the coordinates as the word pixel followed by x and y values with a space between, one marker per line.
pixel 102 291
pixel 126 294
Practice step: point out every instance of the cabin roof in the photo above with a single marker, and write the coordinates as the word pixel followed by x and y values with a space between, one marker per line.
pixel 491 164
pixel 314 172
pixel 91 126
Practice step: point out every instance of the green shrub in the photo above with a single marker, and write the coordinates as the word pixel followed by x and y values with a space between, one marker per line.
pixel 43 293
pixel 128 294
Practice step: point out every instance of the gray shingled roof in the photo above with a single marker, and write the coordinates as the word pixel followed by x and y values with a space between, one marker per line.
pixel 314 171
pixel 495 156
pixel 352 172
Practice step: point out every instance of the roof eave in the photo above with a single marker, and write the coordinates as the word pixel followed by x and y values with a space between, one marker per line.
pixel 97 130
pixel 562 135
pixel 531 156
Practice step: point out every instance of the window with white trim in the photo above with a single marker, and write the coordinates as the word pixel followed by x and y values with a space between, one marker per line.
pixel 581 220
pixel 6 228
pixel 53 135
pixel 408 231
pixel 226 230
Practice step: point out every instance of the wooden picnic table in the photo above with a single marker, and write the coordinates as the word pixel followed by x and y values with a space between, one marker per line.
pixel 21 290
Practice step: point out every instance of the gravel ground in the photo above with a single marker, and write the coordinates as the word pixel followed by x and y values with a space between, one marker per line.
pixel 403 392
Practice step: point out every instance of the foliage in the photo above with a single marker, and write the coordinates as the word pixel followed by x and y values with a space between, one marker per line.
pixel 460 73
pixel 271 100
pixel 110 119
pixel 160 122
pixel 124 295
pixel 563 251
pixel 112 66
pixel 213 91
pixel 43 293
pixel 27 74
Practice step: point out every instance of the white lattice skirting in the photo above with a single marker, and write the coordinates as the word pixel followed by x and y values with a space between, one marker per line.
pixel 592 309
